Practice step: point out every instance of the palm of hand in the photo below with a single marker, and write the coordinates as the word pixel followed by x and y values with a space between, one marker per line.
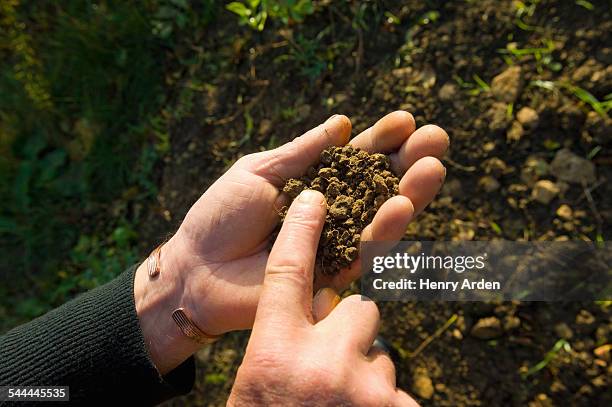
pixel 225 235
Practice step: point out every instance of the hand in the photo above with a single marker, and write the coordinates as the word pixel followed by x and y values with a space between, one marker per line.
pixel 214 265
pixel 293 358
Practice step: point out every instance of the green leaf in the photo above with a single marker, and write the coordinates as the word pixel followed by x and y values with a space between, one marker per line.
pixel 586 4
pixel 239 8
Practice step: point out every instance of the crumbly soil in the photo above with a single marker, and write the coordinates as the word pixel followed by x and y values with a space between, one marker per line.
pixel 355 184
pixel 499 185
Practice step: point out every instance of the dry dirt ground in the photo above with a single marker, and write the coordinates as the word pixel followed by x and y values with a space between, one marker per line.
pixel 528 160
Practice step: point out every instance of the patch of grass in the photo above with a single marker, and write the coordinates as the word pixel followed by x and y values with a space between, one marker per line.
pixel 525 10
pixel 307 55
pixel 255 13
pixel 600 107
pixel 561 344
pixel 473 88
pixel 542 55
pixel 81 130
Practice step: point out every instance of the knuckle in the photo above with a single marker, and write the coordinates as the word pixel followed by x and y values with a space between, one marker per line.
pixel 301 219
pixel 366 306
pixel 292 273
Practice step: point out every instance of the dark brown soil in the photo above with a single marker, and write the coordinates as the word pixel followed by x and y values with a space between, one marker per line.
pixel 498 154
pixel 355 184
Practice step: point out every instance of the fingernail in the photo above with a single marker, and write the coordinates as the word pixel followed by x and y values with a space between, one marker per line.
pixel 331 118
pixel 310 196
pixel 324 302
pixel 330 293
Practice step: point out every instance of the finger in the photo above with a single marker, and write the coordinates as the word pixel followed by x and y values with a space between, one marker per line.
pixel 323 303
pixel 402 399
pixel 381 362
pixel 422 182
pixel 391 220
pixel 293 159
pixel 287 288
pixel 387 134
pixel 429 140
pixel 358 319
pixel 389 224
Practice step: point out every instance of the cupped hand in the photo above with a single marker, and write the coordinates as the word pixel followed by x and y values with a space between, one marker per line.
pixel 295 357
pixel 214 265
pixel 224 239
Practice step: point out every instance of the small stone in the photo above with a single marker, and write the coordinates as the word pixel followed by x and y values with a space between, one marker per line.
pixel 495 166
pixel 564 212
pixel 516 131
pixel 457 334
pixel 498 118
pixel 487 328
pixel 544 191
pixel 422 384
pixel 511 322
pixel 533 169
pixel 488 184
pixel 488 146
pixel 584 317
pixel 507 86
pixel 603 351
pixel 541 400
pixel 564 331
pixel 528 117
pixel 571 168
pixel 448 92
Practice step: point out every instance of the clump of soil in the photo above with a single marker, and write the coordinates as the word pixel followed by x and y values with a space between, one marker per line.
pixel 355 185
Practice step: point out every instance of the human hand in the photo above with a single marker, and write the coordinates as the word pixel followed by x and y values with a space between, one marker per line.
pixel 293 358
pixel 214 265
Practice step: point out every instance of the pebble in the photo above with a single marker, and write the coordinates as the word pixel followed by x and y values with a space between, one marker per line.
pixel 488 184
pixel 498 117
pixel 511 322
pixel 516 131
pixel 508 85
pixel 487 328
pixel 448 92
pixel 422 384
pixel 603 351
pixel 569 167
pixel 584 317
pixel 544 191
pixel 564 212
pixel 533 169
pixel 528 117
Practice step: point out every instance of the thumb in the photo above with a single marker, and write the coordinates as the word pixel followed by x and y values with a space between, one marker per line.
pixel 293 159
pixel 286 295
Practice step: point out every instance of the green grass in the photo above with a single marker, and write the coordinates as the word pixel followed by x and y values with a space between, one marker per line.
pixel 82 88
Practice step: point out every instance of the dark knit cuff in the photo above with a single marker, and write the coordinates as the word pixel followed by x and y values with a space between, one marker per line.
pixel 94 345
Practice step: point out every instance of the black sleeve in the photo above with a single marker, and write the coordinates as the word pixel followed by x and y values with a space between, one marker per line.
pixel 94 345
